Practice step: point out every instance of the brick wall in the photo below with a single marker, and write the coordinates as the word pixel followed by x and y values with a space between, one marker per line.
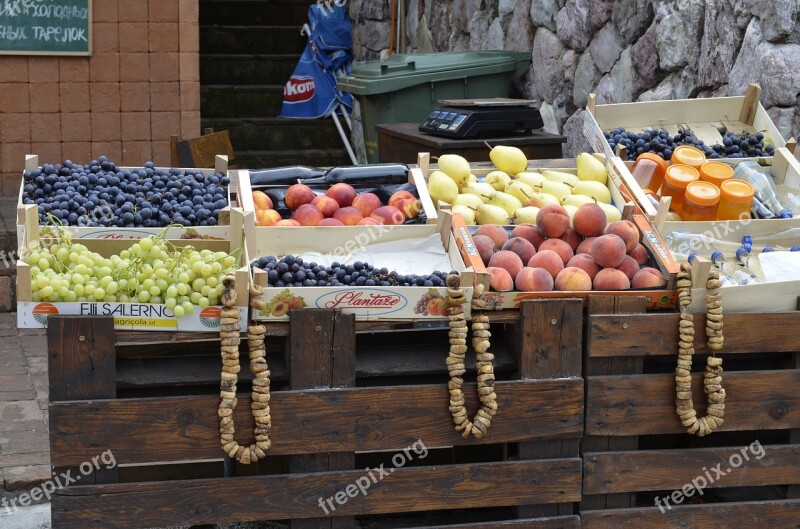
pixel 140 85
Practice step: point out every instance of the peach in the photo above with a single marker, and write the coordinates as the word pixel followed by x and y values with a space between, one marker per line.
pixel 529 232
pixel 629 267
pixel 366 203
pixel 611 279
pixel 410 207
pixel 368 221
pixel 585 262
pixel 342 193
pixel 307 215
pixel 534 280
pixel 608 250
pixel 388 215
pixel 639 253
pixel 287 222
pixel 590 220
pixel 297 195
pixel 397 196
pixel 648 277
pixel 521 247
pixel 585 246
pixel 573 279
pixel 267 217
pixel 348 216
pixel 549 260
pixel 325 204
pixel 627 230
pixel 501 279
pixel 330 221
pixel 562 248
pixel 552 221
pixel 497 233
pixel 261 200
pixel 485 247
pixel 507 260
pixel 573 238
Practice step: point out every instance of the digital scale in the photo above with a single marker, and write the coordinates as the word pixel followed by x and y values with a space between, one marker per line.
pixel 472 118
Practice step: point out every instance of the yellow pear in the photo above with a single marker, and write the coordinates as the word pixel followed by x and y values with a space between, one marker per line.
pixel 612 213
pixel 520 190
pixel 590 168
pixel 508 159
pixel 498 180
pixel 594 189
pixel 570 211
pixel 560 176
pixel 508 202
pixel 489 214
pixel 467 213
pixel 480 189
pixel 557 189
pixel 442 187
pixel 526 215
pixel 577 200
pixel 469 200
pixel 531 178
pixel 456 167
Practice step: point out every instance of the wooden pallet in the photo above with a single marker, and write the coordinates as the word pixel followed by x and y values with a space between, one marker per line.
pixel 346 396
pixel 635 449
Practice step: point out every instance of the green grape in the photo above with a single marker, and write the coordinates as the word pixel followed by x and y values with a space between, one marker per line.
pixel 156 300
pixel 197 284
pixel 71 296
pixel 62 255
pixel 213 302
pixel 171 302
pixel 35 296
pixel 206 253
pixel 110 299
pixel 105 280
pixel 42 281
pixel 156 252
pixel 46 291
pixel 206 290
pixel 123 298
pixel 89 289
pixel 154 290
pixel 143 296
pixel 187 307
pixel 73 257
pixel 147 284
pixel 203 302
pixel 63 292
pixel 183 277
pixel 111 288
pixel 54 297
pixel 43 263
pixel 124 254
pixel 212 281
pixel 179 311
pixel 146 244
pixel 216 268
pixel 206 270
pixel 104 271
pixel 79 290
pixel 183 289
pixel 195 297
pixel 172 291
pixel 35 271
pixel 99 293
pixel 162 273
pixel 135 249
pixel 162 284
pixel 229 261
pixel 197 266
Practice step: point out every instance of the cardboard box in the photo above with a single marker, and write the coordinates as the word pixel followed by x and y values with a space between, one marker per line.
pixel 28 215
pixel 660 257
pixel 709 119
pixel 134 316
pixel 367 303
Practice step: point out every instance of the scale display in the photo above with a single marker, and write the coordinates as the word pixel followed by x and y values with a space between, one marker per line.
pixel 474 122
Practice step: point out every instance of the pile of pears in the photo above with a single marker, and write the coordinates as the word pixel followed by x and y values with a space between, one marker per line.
pixel 514 195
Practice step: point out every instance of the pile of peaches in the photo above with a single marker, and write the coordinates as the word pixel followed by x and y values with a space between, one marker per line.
pixel 588 254
pixel 341 205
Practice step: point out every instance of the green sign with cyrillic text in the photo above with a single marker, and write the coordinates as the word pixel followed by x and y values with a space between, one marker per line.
pixel 45 27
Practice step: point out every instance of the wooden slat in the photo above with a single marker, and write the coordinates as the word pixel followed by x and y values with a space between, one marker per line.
pixel 645 404
pixel 650 470
pixel 781 514
pixel 559 522
pixel 381 418
pixel 409 489
pixel 657 335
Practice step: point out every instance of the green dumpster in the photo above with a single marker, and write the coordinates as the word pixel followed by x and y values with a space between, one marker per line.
pixel 406 88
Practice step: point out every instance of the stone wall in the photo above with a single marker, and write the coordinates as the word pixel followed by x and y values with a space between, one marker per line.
pixel 623 50
pixel 140 85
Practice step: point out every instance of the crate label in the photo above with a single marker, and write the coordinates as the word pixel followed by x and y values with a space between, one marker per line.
pixel 375 301
pixel 656 244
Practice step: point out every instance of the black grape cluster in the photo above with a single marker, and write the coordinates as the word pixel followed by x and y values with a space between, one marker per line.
pixel 744 145
pixel 657 141
pixel 102 194
pixel 291 271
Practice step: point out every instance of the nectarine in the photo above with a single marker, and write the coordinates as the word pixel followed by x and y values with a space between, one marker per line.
pixel 508 261
pixel 366 203
pixel 297 195
pixel 349 216
pixel 342 193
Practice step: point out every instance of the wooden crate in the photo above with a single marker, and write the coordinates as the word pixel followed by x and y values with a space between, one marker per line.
pixel 346 396
pixel 28 214
pixel 635 448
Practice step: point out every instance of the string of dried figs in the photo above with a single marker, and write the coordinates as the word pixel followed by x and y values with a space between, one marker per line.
pixel 712 379
pixel 484 365
pixel 230 340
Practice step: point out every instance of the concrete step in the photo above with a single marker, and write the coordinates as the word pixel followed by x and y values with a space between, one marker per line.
pixel 252 39
pixel 225 101
pixel 256 134
pixel 253 12
pixel 247 69
pixel 313 157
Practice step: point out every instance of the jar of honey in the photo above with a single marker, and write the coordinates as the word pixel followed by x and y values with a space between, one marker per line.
pixel 735 200
pixel 688 155
pixel 676 178
pixel 648 171
pixel 701 200
pixel 715 172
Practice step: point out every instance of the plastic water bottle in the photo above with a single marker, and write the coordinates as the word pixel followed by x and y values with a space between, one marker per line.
pixel 747 241
pixel 764 186
pixel 736 272
pixel 793 204
pixel 685 242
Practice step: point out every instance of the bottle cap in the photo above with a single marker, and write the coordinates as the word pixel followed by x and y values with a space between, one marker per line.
pixel 740 251
pixel 786 214
pixel 679 175
pixel 715 172
pixel 747 240
pixel 737 191
pixel 767 249
pixel 702 193
pixel 691 257
pixel 716 254
pixel 794 249
pixel 686 154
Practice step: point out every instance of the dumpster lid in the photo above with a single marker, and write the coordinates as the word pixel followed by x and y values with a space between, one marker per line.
pixel 402 70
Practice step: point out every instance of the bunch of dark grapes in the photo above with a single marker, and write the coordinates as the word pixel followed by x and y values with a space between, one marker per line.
pixel 657 141
pixel 291 271
pixel 101 194
pixel 744 145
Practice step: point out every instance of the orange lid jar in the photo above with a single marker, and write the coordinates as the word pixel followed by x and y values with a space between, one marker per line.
pixel 700 201
pixel 715 172
pixel 688 155
pixel 648 171
pixel 735 200
pixel 676 178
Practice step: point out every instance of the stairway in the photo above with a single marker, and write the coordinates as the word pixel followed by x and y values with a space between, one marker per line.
pixel 248 50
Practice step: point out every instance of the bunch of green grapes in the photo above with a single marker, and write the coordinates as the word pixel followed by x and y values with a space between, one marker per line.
pixel 152 270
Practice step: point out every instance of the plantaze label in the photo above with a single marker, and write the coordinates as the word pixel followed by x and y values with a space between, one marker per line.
pixel 372 301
